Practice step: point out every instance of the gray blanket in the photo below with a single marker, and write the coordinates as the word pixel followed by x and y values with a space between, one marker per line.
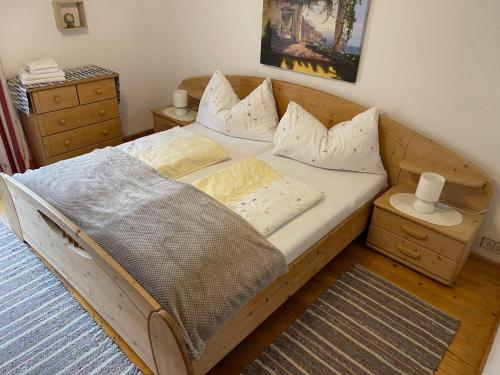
pixel 197 258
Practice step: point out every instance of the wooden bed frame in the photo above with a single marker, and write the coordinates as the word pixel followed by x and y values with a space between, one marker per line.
pixel 140 320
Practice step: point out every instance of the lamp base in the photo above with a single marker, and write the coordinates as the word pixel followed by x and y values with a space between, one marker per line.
pixel 172 112
pixel 424 207
pixel 447 217
pixel 181 112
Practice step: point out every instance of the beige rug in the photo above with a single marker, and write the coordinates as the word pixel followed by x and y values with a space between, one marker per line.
pixel 363 324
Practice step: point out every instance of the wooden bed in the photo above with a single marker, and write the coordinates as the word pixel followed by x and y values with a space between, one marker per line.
pixel 140 320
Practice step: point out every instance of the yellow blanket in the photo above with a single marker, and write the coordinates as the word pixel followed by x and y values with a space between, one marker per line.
pixel 232 184
pixel 176 152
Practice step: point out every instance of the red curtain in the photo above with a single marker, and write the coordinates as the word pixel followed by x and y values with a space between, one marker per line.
pixel 15 155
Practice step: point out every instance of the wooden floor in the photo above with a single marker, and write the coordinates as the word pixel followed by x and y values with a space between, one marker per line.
pixel 475 301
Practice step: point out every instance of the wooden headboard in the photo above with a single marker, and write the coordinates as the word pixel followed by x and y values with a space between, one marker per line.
pixel 404 152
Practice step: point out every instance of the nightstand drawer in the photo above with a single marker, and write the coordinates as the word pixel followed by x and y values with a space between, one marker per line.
pixel 411 253
pixel 161 124
pixel 55 99
pixel 72 118
pixel 78 138
pixel 418 234
pixel 96 91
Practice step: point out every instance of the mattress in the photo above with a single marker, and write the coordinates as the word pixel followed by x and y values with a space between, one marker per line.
pixel 345 192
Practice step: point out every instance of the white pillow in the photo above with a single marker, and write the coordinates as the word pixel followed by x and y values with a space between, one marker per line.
pixel 351 145
pixel 254 117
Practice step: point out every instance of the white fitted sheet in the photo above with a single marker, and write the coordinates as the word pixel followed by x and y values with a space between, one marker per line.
pixel 345 192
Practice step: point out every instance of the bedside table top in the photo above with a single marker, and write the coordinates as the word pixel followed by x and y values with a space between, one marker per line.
pixel 462 232
pixel 159 112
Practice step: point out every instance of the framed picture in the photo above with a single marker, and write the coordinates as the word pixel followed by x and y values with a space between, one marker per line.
pixel 70 15
pixel 319 37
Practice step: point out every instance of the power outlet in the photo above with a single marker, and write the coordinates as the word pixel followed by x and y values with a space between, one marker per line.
pixel 488 244
pixel 496 249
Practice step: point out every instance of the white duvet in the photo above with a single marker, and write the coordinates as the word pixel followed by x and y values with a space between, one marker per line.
pixel 264 197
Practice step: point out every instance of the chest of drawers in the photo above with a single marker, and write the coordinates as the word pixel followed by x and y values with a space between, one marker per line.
pixel 72 119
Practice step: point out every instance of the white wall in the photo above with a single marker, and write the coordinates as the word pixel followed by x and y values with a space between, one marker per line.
pixel 431 65
pixel 120 37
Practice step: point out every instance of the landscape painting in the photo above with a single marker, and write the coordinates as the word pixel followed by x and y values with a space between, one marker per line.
pixel 320 37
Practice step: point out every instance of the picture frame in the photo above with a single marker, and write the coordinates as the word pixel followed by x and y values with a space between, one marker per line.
pixel 69 14
pixel 323 38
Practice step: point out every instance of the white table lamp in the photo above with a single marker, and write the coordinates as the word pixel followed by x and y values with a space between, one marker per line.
pixel 181 102
pixel 428 192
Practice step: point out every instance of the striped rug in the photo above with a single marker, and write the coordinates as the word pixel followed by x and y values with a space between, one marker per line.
pixel 363 324
pixel 43 329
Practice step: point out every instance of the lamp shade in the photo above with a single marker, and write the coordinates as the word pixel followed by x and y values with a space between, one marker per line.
pixel 430 187
pixel 180 98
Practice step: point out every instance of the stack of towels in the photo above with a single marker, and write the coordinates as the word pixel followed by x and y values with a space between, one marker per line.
pixel 41 71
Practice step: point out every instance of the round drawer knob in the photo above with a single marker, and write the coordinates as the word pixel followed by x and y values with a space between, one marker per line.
pixel 105 132
pixel 57 99
pixel 67 142
pixel 63 121
pixel 98 91
pixel 102 112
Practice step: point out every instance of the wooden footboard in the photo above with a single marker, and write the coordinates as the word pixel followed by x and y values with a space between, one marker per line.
pixel 107 287
pixel 128 308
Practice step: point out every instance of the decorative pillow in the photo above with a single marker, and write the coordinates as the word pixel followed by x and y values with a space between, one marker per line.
pixel 254 117
pixel 351 145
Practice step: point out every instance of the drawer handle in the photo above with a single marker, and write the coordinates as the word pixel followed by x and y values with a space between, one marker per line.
pixel 102 112
pixel 414 254
pixel 414 233
pixel 63 122
pixel 105 132
pixel 67 142
pixel 57 99
pixel 98 91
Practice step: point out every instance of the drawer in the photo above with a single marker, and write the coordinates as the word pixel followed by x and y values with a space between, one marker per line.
pixel 85 150
pixel 81 137
pixel 412 253
pixel 54 99
pixel 95 91
pixel 418 234
pixel 72 118
pixel 161 124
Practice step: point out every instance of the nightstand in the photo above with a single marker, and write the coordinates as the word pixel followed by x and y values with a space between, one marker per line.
pixel 164 122
pixel 434 250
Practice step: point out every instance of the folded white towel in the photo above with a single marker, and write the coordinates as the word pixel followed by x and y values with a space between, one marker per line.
pixel 24 75
pixel 43 71
pixel 31 79
pixel 42 80
pixel 44 63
